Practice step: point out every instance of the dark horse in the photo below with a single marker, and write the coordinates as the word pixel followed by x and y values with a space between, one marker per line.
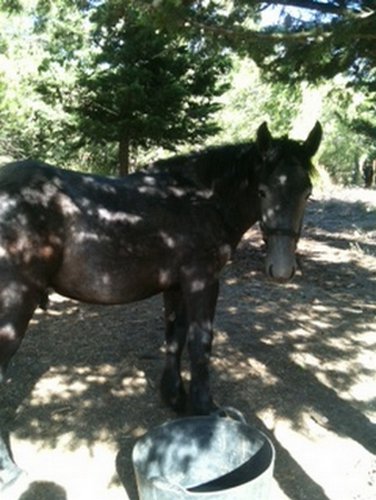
pixel 169 228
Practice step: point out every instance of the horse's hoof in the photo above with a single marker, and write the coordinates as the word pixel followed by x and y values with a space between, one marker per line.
pixel 178 405
pixel 173 395
pixel 203 410
pixel 202 406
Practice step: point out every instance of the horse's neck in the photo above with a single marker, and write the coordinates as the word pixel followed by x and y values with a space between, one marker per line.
pixel 239 206
pixel 226 174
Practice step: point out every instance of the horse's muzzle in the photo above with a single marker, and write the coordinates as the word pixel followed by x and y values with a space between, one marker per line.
pixel 280 262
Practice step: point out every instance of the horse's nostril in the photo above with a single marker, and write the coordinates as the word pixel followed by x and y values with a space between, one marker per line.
pixel 281 277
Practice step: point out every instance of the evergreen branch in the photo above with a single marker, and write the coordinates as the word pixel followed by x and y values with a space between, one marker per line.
pixel 236 32
pixel 324 8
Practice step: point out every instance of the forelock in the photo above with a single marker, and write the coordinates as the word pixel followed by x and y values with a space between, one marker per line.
pixel 286 151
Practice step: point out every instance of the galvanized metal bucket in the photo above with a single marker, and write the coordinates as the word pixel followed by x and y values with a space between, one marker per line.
pixel 201 458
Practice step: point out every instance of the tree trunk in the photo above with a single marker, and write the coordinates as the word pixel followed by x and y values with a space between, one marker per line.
pixel 123 156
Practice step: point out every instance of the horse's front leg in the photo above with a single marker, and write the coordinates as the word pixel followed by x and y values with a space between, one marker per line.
pixel 172 389
pixel 9 471
pixel 17 304
pixel 200 309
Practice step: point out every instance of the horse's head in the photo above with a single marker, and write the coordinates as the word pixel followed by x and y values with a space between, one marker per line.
pixel 284 186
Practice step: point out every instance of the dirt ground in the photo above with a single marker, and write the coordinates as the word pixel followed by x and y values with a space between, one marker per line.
pixel 297 360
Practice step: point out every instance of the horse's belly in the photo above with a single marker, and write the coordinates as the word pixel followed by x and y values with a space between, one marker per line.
pixel 113 270
pixel 102 292
pixel 118 285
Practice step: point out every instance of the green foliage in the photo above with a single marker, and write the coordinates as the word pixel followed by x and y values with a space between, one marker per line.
pixel 250 101
pixel 34 121
pixel 102 74
pixel 310 39
pixel 11 5
pixel 79 78
pixel 364 122
pixel 315 42
pixel 294 110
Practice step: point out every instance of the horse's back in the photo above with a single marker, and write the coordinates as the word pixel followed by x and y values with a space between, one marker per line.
pixel 23 173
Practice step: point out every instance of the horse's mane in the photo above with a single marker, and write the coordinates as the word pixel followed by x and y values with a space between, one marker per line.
pixel 232 161
pixel 212 164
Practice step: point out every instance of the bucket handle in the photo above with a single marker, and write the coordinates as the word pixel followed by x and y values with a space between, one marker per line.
pixel 230 412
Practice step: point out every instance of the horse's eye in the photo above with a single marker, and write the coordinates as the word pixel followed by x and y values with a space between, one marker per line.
pixel 262 193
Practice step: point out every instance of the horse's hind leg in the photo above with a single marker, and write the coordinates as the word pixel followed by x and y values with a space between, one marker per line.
pixel 172 389
pixel 17 304
pixel 9 471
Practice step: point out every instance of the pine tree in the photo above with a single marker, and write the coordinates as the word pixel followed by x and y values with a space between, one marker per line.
pixel 146 86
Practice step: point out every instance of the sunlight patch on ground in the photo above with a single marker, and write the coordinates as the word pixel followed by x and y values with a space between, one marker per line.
pixel 232 369
pixel 56 385
pixel 231 281
pixel 313 448
pixel 325 253
pixel 260 369
pixel 131 386
pixel 83 473
pixel 64 383
pixel 350 195
pixel 351 375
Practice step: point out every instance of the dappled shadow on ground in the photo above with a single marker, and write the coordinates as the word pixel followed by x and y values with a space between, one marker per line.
pixel 296 354
pixel 44 491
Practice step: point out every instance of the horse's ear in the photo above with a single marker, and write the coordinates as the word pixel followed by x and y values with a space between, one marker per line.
pixel 313 140
pixel 263 138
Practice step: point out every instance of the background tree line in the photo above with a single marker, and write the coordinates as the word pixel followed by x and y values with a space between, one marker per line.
pixel 107 85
